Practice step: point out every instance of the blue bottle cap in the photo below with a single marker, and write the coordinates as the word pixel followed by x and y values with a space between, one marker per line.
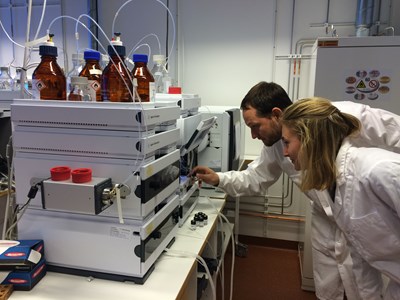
pixel 140 58
pixel 91 54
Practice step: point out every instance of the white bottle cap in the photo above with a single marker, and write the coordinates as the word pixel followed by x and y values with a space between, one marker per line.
pixel 48 43
pixel 77 57
pixel 79 80
pixel 159 58
pixel 116 41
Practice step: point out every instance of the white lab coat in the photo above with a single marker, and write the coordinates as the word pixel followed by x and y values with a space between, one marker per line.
pixel 367 210
pixel 332 264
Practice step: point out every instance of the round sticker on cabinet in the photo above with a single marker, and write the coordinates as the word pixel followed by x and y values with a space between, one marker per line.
pixel 361 73
pixel 351 80
pixel 359 96
pixel 384 89
pixel 384 79
pixel 372 96
pixel 350 89
pixel 374 73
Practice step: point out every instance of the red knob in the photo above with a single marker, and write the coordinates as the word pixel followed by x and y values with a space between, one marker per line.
pixel 60 173
pixel 81 175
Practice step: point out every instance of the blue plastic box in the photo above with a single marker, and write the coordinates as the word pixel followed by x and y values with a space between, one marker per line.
pixel 22 263
pixel 23 254
pixel 26 280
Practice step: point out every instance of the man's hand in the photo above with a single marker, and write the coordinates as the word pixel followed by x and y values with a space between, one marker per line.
pixel 205 174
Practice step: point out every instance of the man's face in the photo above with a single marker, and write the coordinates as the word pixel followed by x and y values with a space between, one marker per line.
pixel 291 147
pixel 266 129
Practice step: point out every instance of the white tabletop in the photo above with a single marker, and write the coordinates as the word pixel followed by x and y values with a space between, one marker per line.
pixel 171 273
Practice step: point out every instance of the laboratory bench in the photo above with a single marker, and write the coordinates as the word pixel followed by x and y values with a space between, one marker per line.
pixel 174 276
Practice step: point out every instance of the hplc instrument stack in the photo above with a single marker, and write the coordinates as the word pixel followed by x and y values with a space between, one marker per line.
pixel 119 222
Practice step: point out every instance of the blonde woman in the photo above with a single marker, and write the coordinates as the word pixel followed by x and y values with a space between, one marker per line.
pixel 363 184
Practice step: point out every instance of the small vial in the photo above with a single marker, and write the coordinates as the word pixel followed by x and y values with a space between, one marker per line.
pixel 196 219
pixel 201 221
pixel 193 225
pixel 205 219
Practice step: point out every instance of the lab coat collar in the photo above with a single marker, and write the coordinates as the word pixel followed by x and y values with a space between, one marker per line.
pixel 341 161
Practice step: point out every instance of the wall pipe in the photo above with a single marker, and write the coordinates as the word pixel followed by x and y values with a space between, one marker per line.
pixel 378 22
pixel 274 39
pixel 364 17
pixel 266 212
pixel 12 29
pixel 262 216
pixel 291 46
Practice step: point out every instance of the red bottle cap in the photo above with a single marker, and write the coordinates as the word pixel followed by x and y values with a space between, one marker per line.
pixel 60 173
pixel 174 90
pixel 81 175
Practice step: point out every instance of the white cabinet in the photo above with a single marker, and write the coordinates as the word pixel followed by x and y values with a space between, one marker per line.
pixel 174 276
pixel 215 250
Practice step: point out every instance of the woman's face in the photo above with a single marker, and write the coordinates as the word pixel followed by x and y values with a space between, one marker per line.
pixel 291 147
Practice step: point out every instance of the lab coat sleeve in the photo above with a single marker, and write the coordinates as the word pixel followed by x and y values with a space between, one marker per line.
pixel 380 128
pixel 255 180
pixel 384 181
pixel 372 222
pixel 383 127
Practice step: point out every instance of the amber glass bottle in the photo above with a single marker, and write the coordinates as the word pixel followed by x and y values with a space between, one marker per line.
pixel 116 85
pixel 93 72
pixel 145 85
pixel 48 79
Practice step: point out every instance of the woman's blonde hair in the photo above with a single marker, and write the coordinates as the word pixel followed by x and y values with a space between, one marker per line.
pixel 321 128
